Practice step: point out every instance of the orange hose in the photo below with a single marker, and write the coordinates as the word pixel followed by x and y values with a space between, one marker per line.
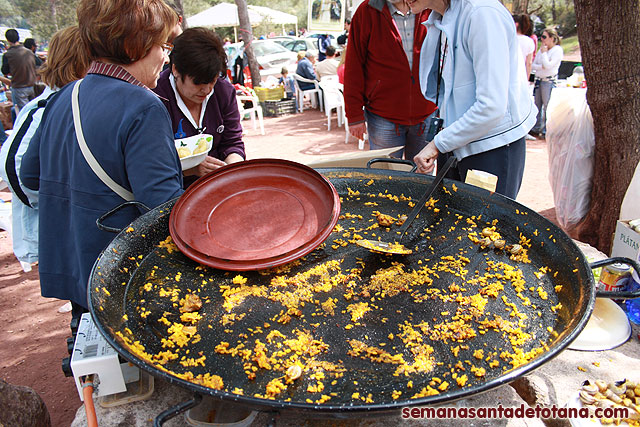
pixel 87 393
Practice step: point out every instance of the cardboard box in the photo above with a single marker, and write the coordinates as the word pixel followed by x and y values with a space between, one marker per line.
pixel 358 159
pixel 626 243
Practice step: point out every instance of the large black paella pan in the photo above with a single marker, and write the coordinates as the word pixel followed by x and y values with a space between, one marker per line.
pixel 345 329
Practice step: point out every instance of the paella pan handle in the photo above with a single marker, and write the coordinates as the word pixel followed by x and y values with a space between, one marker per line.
pixel 392 160
pixel 177 410
pixel 103 227
pixel 613 294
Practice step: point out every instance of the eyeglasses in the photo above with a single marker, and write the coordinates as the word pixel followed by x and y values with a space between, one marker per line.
pixel 543 37
pixel 167 48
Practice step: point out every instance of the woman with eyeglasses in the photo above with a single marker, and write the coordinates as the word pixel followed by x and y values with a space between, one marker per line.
pixel 545 65
pixel 102 140
pixel 200 99
pixel 471 68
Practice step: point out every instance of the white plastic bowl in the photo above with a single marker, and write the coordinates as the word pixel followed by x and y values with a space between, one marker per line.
pixel 190 142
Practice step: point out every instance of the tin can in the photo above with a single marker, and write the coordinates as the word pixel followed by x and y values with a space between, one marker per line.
pixel 615 277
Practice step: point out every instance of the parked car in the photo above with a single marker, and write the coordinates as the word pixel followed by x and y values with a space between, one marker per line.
pixel 333 37
pixel 298 44
pixel 270 55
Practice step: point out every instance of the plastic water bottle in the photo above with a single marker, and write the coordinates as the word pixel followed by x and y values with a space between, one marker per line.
pixel 3 97
pixel 633 305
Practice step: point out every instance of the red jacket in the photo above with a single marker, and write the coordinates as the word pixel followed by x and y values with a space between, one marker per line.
pixel 377 74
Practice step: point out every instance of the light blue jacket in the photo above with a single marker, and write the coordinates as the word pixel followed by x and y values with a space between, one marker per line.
pixel 484 101
pixel 24 218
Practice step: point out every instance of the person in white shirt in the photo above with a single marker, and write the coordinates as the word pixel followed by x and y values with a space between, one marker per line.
pixel 328 66
pixel 527 46
pixel 545 65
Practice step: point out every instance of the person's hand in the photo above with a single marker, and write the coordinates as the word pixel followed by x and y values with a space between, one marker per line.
pixel 358 130
pixel 209 164
pixel 543 48
pixel 426 158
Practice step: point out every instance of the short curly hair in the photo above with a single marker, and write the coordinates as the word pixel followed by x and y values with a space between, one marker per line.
pixel 123 31
pixel 199 54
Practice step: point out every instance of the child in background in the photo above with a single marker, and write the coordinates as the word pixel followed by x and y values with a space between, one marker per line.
pixel 287 81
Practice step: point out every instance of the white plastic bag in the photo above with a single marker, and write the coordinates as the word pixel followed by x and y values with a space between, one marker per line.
pixel 571 142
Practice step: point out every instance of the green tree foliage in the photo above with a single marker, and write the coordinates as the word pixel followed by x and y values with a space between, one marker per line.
pixel 555 13
pixel 10 15
pixel 43 17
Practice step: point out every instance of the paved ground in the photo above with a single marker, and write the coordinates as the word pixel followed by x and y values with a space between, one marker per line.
pixel 33 331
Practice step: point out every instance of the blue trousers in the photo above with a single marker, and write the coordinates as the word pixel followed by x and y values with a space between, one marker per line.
pixel 542 94
pixel 386 134
pixel 507 163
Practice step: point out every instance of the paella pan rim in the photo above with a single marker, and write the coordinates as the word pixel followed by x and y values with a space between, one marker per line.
pixel 587 297
pixel 318 200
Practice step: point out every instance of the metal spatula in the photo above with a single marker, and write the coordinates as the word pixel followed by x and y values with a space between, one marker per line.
pixel 397 247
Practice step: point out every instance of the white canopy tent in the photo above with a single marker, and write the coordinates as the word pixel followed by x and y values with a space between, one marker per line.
pixel 23 33
pixel 226 15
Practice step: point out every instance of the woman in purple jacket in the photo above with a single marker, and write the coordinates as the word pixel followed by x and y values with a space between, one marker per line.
pixel 201 100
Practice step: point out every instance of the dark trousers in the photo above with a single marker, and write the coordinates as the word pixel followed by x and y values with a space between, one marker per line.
pixel 77 311
pixel 507 163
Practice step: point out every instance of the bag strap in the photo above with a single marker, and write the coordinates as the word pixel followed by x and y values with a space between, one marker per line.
pixel 88 155
pixel 10 164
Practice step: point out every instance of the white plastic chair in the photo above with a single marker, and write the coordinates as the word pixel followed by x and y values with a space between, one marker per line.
pixel 300 94
pixel 330 78
pixel 254 110
pixel 333 100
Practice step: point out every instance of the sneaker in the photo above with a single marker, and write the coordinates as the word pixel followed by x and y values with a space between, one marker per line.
pixel 530 137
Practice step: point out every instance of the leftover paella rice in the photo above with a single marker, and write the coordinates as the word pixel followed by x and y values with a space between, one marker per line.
pixel 282 327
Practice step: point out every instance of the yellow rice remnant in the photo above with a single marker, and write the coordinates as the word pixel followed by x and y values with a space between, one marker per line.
pixel 288 352
pixel 423 362
pixel 207 380
pixel 275 387
pixel 358 310
pixel 190 303
pixel 329 305
pixel 168 245
pixel 462 380
pixel 180 335
pixel 239 280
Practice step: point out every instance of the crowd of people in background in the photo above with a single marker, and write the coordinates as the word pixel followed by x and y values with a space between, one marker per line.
pixel 415 75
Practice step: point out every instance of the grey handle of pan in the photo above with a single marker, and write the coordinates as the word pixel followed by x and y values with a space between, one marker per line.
pixel 617 295
pixel 177 410
pixel 392 160
pixel 451 162
pixel 100 221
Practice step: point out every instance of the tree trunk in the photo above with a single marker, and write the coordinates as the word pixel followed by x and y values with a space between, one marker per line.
pixel 610 50
pixel 247 36
pixel 520 7
pixel 54 13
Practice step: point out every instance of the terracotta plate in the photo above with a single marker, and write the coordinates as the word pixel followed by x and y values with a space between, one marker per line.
pixel 255 214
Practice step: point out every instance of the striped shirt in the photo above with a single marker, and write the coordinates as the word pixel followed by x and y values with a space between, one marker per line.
pixel 114 70
pixel 406 24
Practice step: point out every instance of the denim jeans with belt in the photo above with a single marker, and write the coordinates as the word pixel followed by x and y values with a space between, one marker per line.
pixel 21 96
pixel 386 134
pixel 542 93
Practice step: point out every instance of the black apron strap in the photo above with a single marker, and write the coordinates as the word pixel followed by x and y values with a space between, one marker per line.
pixel 10 165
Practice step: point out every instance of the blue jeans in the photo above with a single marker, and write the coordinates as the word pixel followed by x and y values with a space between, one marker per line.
pixel 542 93
pixel 385 134
pixel 20 96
